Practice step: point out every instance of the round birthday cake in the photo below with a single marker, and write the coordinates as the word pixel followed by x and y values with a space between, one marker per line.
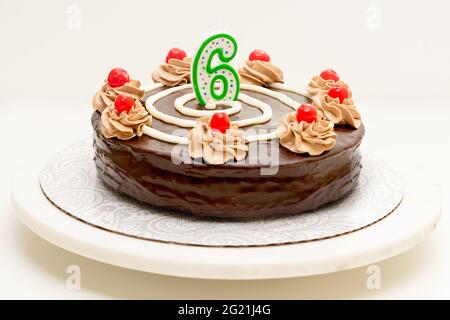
pixel 214 141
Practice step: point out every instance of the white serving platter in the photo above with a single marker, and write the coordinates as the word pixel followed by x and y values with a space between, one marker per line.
pixel 408 225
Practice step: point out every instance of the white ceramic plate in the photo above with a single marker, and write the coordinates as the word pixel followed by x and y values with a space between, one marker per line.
pixel 407 226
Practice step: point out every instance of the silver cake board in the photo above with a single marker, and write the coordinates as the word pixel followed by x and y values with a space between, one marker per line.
pixel 69 180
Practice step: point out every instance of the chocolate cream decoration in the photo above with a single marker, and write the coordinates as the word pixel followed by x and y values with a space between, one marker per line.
pixel 302 137
pixel 260 73
pixel 317 84
pixel 173 73
pixel 107 95
pixel 125 125
pixel 337 112
pixel 214 146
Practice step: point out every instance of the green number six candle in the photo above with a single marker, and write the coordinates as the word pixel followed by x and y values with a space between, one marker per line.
pixel 215 81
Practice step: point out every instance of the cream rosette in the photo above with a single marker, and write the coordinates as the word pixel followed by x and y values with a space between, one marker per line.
pixel 107 94
pixel 337 112
pixel 318 84
pixel 125 125
pixel 260 73
pixel 173 73
pixel 214 146
pixel 302 137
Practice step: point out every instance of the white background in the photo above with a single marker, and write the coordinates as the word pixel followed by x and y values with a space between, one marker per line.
pixel 395 56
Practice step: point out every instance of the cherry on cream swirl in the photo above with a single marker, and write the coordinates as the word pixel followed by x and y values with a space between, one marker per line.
pixel 318 84
pixel 125 125
pixel 336 112
pixel 107 95
pixel 214 146
pixel 302 137
pixel 173 73
pixel 260 73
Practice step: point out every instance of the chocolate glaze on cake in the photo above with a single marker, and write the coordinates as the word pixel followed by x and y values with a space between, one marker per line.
pixel 143 169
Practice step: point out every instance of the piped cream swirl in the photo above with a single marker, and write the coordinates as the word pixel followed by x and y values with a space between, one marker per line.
pixel 318 84
pixel 302 137
pixel 173 73
pixel 107 95
pixel 337 112
pixel 260 73
pixel 214 146
pixel 125 125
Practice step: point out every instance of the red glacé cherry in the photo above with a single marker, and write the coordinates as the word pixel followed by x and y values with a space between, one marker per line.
pixel 220 121
pixel 329 74
pixel 123 103
pixel 306 112
pixel 338 92
pixel 118 77
pixel 259 55
pixel 176 53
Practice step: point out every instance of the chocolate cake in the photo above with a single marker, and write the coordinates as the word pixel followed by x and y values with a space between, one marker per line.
pixel 270 150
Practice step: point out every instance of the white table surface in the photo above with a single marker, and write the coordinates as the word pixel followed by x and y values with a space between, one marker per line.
pixel 395 57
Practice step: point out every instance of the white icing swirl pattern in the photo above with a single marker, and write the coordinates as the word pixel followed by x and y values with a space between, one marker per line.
pixel 235 107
